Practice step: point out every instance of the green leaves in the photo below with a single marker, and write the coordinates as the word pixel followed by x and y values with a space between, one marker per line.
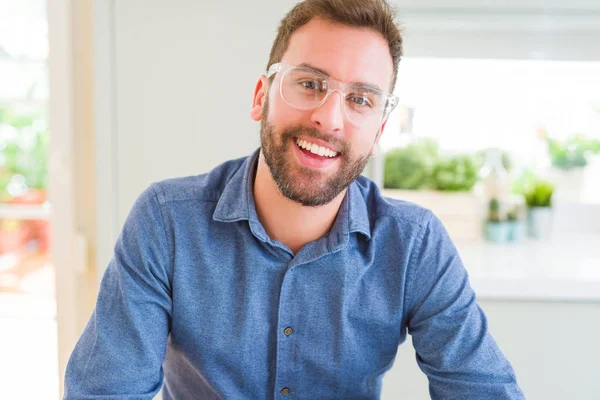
pixel 16 119
pixel 23 149
pixel 539 194
pixel 420 166
pixel 572 152
pixel 455 173
pixel 411 167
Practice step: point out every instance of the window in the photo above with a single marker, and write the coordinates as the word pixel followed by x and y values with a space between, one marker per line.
pixel 468 105
pixel 27 298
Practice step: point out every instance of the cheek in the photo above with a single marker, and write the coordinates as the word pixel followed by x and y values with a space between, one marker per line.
pixel 361 143
pixel 281 114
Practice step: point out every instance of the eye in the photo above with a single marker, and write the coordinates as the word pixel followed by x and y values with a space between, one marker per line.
pixel 362 101
pixel 310 84
pixel 313 84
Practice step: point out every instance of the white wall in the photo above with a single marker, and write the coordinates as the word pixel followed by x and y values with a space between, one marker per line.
pixel 185 77
pixel 181 79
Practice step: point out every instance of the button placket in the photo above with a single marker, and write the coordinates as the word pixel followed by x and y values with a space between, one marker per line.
pixel 285 348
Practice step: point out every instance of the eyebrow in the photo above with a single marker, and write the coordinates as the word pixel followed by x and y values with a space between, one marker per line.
pixel 360 85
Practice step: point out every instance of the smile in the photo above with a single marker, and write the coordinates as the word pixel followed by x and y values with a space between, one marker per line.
pixel 316 149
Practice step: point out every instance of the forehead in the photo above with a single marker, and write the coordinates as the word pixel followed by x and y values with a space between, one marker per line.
pixel 346 53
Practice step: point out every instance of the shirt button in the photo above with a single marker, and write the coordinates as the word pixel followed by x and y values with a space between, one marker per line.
pixel 285 391
pixel 288 331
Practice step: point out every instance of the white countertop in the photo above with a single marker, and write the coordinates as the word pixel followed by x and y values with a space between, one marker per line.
pixel 558 269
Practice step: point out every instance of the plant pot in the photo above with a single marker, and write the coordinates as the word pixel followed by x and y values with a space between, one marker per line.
pixel 32 196
pixel 497 232
pixel 40 231
pixel 13 235
pixel 539 222
pixel 569 183
pixel 460 212
pixel 516 230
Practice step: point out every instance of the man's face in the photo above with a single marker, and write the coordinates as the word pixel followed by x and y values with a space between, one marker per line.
pixel 346 54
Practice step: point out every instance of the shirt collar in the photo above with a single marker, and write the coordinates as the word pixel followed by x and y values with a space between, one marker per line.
pixel 234 203
pixel 358 213
pixel 237 203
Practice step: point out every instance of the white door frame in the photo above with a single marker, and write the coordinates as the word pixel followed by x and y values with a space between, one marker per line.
pixel 61 188
pixel 74 269
pixel 105 110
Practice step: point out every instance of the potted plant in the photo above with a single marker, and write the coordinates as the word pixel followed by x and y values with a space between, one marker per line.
pixel 32 166
pixel 516 219
pixel 410 167
pixel 443 184
pixel 496 228
pixel 24 166
pixel 13 234
pixel 24 151
pixel 569 158
pixel 457 173
pixel 539 216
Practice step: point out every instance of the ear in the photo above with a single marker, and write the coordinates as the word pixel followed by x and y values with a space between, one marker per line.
pixel 260 93
pixel 374 148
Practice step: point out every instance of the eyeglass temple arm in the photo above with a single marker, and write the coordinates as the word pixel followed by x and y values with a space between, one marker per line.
pixel 273 69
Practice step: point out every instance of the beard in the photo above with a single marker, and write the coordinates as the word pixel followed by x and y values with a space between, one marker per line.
pixel 303 185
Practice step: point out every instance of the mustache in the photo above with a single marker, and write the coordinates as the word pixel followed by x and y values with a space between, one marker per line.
pixel 297 130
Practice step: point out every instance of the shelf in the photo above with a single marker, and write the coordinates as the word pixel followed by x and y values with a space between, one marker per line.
pixel 5 103
pixel 559 269
pixel 29 212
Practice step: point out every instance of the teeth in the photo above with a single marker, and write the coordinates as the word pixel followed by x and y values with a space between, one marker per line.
pixel 316 149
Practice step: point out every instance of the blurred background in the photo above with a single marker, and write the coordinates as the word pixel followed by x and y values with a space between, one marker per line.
pixel 497 131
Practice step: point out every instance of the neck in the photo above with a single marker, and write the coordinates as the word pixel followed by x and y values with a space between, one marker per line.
pixel 285 220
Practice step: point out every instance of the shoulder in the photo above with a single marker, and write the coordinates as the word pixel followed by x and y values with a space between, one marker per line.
pixel 206 187
pixel 382 208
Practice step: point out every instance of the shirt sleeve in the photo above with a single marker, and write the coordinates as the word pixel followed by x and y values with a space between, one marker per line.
pixel 449 330
pixel 120 353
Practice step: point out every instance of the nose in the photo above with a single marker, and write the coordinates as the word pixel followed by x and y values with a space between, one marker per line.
pixel 329 117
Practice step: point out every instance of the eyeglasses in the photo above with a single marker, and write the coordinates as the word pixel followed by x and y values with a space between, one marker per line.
pixel 304 88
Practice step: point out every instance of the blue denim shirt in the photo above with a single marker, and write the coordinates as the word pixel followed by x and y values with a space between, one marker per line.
pixel 198 294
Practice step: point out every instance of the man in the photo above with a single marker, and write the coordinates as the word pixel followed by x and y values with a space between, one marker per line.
pixel 285 274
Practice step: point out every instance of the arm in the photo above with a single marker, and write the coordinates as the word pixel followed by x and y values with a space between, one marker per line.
pixel 121 350
pixel 450 332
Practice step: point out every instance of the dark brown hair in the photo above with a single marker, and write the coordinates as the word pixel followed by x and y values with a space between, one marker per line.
pixel 376 15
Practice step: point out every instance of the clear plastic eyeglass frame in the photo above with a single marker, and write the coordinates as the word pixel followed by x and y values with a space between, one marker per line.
pixel 390 100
